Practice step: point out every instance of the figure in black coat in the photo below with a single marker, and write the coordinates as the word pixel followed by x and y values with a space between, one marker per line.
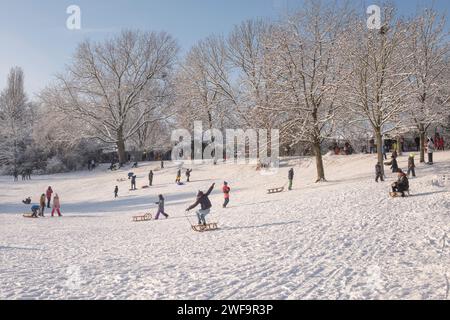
pixel 378 172
pixel 205 205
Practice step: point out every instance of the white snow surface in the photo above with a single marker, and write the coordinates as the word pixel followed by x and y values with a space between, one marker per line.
pixel 343 239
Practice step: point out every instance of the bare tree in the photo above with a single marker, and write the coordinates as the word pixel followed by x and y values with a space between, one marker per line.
pixel 379 84
pixel 429 46
pixel 109 85
pixel 309 74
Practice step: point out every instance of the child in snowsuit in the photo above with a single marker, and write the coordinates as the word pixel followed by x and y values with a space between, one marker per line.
pixel 291 178
pixel 430 150
pixel 42 205
pixel 150 178
pixel 226 193
pixel 116 192
pixel 394 165
pixel 205 204
pixel 160 204
pixel 49 196
pixel 402 183
pixel 411 165
pixel 378 173
pixel 56 205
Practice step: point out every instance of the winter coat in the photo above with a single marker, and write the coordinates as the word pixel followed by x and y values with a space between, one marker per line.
pixel 394 165
pixel 291 174
pixel 49 193
pixel 403 182
pixel 56 203
pixel 42 201
pixel 203 200
pixel 430 147
pixel 160 204
pixel 378 168
pixel 226 191
pixel 411 163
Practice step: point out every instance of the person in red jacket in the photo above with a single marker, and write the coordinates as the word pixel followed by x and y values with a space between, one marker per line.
pixel 49 196
pixel 226 193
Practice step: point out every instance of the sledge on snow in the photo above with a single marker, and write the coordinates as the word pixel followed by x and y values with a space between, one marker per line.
pixel 30 215
pixel 145 217
pixel 275 190
pixel 205 227
pixel 399 194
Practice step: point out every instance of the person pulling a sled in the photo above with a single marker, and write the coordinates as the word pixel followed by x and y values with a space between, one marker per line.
pixel 160 204
pixel 35 209
pixel 205 204
pixel 402 184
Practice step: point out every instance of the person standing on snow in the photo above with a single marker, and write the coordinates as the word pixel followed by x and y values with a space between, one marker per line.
pixel 226 194
pixel 116 192
pixel 49 196
pixel 42 205
pixel 411 165
pixel 430 150
pixel 205 205
pixel 291 178
pixel 56 205
pixel 178 178
pixel 133 182
pixel 394 165
pixel 378 173
pixel 188 175
pixel 160 204
pixel 150 178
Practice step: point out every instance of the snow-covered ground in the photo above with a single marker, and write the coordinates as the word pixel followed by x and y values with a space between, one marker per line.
pixel 345 239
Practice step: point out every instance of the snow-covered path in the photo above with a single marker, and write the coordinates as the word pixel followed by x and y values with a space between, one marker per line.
pixel 345 239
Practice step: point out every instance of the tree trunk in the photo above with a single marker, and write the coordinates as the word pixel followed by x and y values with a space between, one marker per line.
pixel 121 147
pixel 379 139
pixel 319 161
pixel 422 143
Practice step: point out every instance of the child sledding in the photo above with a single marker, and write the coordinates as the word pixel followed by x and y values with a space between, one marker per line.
pixel 401 186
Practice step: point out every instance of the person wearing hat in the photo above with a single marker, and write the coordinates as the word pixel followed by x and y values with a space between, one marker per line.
pixel 226 193
pixel 205 204
pixel 411 165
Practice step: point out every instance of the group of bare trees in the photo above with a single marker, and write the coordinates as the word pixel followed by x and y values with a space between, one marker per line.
pixel 311 74
pixel 318 69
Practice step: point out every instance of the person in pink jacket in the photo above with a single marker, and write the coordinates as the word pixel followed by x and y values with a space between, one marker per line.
pixel 56 205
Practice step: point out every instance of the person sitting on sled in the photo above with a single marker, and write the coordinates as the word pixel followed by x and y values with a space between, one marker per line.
pixel 27 201
pixel 160 204
pixel 402 183
pixel 205 203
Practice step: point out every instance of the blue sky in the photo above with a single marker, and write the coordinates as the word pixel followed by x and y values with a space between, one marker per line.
pixel 34 36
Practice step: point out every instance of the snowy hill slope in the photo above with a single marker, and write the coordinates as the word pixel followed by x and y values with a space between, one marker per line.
pixel 344 239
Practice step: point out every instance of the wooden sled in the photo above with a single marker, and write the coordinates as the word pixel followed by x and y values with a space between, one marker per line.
pixel 398 194
pixel 121 180
pixel 146 217
pixel 204 228
pixel 29 215
pixel 275 190
pixel 145 187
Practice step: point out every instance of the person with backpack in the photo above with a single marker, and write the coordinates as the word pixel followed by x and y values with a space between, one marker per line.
pixel 205 205
pixel 56 205
pixel 291 178
pixel 42 205
pixel 226 194
pixel 150 178
pixel 411 165
pixel 160 204
pixel 49 196
pixel 378 172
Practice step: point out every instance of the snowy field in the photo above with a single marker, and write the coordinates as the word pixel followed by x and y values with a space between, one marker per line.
pixel 345 239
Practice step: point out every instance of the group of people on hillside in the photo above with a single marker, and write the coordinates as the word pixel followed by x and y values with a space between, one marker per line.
pixel 45 201
pixel 25 174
